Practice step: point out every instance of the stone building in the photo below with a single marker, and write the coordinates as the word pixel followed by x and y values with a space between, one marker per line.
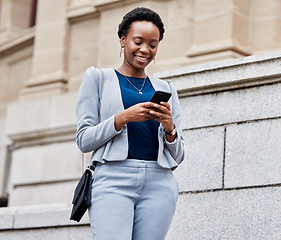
pixel 230 181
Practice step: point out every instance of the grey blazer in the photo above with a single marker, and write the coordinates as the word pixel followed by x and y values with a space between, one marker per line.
pixel 101 137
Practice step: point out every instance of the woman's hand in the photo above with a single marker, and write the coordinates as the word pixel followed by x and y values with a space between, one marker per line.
pixel 145 111
pixel 162 113
pixel 137 113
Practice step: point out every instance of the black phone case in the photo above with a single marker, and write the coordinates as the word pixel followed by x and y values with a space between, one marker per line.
pixel 160 96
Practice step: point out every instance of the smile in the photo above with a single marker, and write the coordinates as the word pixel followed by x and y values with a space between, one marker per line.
pixel 142 59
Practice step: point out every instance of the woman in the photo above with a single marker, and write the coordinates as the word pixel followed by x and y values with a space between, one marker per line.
pixel 136 143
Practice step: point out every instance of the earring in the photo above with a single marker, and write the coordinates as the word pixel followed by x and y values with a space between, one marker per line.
pixel 121 51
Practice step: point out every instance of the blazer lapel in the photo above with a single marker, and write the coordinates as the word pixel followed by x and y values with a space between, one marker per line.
pixel 159 85
pixel 112 99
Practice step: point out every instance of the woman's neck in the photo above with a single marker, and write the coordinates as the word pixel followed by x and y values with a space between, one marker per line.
pixel 131 72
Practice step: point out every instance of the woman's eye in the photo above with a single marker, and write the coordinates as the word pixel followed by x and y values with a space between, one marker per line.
pixel 153 46
pixel 138 43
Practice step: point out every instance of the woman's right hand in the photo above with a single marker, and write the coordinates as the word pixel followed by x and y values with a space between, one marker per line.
pixel 136 113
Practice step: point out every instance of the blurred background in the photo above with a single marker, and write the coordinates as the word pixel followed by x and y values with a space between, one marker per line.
pixel 45 48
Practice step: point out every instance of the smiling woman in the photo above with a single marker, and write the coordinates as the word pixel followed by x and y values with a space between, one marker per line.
pixel 140 47
pixel 135 142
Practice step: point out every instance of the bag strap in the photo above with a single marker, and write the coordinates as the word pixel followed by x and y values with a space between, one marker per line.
pixel 99 113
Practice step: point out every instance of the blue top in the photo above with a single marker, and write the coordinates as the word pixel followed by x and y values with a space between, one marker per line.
pixel 142 136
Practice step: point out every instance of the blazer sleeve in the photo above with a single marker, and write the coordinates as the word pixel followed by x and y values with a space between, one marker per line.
pixel 176 148
pixel 92 134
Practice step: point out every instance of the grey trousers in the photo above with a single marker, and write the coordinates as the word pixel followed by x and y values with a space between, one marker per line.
pixel 132 199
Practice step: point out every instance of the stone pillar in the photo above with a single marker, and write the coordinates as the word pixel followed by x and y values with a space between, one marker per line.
pixel 266 25
pixel 221 30
pixel 14 17
pixel 49 66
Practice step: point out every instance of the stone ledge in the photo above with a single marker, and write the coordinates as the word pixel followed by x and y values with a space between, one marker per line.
pixel 53 120
pixel 226 75
pixel 23 39
pixel 82 13
pixel 41 216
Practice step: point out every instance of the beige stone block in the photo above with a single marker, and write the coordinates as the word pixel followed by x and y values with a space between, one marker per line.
pixel 84 33
pixel 58 10
pixel 241 30
pixel 60 192
pixel 265 34
pixel 14 71
pixel 180 15
pixel 41 164
pixel 265 8
pixel 78 3
pixel 42 118
pixel 14 15
pixel 19 72
pixel 48 61
pixel 50 36
pixel 5 14
pixel 53 88
pixel 63 111
pixel 220 54
pixel 210 8
pixel 3 92
pixel 175 43
pixel 242 7
pixel 28 116
pixel 109 46
pixel 75 82
pixel 21 11
pixel 83 46
pixel 213 29
pixel 80 59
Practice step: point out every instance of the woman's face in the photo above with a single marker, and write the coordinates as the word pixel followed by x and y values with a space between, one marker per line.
pixel 140 44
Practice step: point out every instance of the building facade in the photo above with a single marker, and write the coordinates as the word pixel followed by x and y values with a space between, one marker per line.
pixel 45 48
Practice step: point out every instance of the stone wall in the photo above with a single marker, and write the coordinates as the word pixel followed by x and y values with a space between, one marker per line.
pixel 230 181
pixel 230 111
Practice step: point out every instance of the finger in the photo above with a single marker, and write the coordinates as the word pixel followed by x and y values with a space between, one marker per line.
pixel 167 105
pixel 164 110
pixel 160 115
pixel 148 104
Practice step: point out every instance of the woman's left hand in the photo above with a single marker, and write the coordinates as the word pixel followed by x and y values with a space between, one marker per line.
pixel 162 113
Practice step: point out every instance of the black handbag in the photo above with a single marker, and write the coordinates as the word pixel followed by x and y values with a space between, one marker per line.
pixel 82 196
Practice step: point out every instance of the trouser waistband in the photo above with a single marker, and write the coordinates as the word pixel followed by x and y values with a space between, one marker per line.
pixel 133 163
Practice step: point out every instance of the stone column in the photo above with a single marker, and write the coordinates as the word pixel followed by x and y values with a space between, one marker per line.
pixel 49 66
pixel 221 30
pixel 14 17
pixel 266 25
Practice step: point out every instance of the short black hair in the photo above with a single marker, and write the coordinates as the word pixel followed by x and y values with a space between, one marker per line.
pixel 140 14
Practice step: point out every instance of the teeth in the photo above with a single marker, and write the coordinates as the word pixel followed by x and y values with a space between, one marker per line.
pixel 141 58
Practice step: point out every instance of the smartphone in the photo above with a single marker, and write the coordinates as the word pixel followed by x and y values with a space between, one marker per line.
pixel 160 96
